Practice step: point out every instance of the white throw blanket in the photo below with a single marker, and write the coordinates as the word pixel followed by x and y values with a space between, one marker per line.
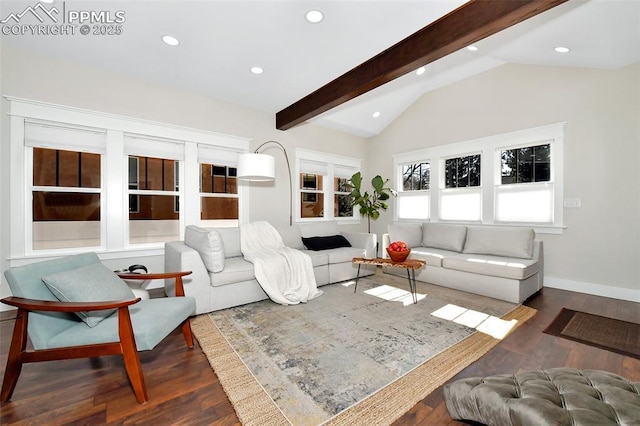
pixel 285 274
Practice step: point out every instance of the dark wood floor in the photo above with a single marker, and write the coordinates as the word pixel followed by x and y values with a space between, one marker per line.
pixel 183 389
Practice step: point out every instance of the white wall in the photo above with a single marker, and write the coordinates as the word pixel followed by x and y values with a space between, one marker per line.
pixel 599 251
pixel 27 75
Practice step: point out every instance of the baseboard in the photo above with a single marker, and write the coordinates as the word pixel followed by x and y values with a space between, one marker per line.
pixel 630 294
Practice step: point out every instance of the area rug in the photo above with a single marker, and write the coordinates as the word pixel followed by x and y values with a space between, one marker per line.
pixel 345 358
pixel 611 334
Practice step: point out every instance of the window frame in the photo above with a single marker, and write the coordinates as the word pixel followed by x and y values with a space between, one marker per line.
pixel 336 165
pixel 490 173
pixel 114 169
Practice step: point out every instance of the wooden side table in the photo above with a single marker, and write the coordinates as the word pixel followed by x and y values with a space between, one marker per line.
pixel 410 265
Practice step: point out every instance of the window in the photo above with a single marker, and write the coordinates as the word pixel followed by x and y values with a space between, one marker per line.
pixel 65 195
pixel 413 196
pixel 342 198
pixel 64 173
pixel 218 183
pixel 524 192
pixel 218 193
pixel 512 179
pixel 152 193
pixel 65 186
pixel 153 216
pixel 323 185
pixel 462 172
pixel 527 164
pixel 311 196
pixel 461 197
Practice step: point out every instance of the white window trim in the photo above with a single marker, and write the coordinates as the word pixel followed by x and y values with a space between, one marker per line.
pixel 487 147
pixel 332 161
pixel 115 189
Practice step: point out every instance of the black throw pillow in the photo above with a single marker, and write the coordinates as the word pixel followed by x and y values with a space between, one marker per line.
pixel 325 243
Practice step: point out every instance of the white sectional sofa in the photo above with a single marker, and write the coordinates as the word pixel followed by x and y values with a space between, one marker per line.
pixel 499 262
pixel 221 277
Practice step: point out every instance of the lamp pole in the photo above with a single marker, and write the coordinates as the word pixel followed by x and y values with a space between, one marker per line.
pixel 286 157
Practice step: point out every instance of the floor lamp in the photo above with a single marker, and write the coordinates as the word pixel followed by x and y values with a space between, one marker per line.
pixel 259 167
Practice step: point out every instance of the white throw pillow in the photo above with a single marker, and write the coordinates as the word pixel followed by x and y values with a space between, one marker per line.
pixel 319 229
pixel 410 233
pixel 291 237
pixel 209 244
pixel 442 236
pixel 231 241
pixel 500 242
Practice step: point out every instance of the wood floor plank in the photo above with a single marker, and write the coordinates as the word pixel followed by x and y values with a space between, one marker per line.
pixel 184 390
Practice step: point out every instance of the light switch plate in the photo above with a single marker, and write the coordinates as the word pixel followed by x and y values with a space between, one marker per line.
pixel 572 203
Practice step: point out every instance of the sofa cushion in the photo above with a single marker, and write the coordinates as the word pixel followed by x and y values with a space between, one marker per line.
pixel 231 239
pixel 410 233
pixel 514 268
pixel 318 258
pixel 91 283
pixel 208 243
pixel 319 229
pixel 433 256
pixel 500 242
pixel 325 243
pixel 442 236
pixel 344 254
pixel 236 269
pixel 291 237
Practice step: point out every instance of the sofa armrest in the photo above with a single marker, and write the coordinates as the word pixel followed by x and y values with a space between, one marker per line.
pixel 385 243
pixel 362 240
pixel 538 254
pixel 180 257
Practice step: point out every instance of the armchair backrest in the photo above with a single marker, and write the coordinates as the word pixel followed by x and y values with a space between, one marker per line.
pixel 25 281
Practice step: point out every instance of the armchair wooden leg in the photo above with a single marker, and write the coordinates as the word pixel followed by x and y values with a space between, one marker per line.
pixel 186 332
pixel 130 355
pixel 14 360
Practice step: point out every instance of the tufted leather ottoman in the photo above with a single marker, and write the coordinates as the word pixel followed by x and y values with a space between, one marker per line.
pixel 558 396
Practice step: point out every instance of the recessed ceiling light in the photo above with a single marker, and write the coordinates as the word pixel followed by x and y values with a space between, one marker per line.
pixel 420 70
pixel 376 114
pixel 46 1
pixel 314 16
pixel 170 40
pixel 472 48
pixel 562 49
pixel 257 70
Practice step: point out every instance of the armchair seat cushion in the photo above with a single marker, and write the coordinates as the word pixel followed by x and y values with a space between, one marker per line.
pixel 152 321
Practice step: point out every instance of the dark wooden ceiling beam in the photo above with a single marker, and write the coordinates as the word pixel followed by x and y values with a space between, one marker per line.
pixel 468 24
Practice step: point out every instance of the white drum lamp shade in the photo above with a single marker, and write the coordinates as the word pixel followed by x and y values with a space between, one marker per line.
pixel 256 167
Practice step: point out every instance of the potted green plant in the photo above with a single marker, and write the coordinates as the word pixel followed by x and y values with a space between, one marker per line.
pixel 370 204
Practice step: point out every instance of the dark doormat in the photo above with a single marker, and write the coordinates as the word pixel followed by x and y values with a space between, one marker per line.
pixel 611 334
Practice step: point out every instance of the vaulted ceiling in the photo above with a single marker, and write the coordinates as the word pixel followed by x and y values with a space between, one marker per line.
pixel 220 41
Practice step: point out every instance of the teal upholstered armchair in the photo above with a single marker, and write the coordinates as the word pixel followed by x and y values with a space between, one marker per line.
pixel 75 307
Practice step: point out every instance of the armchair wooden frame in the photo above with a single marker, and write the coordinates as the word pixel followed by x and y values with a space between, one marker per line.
pixel 126 346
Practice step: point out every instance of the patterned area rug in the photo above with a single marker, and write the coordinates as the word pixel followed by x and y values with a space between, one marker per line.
pixel 347 358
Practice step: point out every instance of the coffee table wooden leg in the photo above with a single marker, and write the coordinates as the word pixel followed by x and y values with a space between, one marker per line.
pixel 357 276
